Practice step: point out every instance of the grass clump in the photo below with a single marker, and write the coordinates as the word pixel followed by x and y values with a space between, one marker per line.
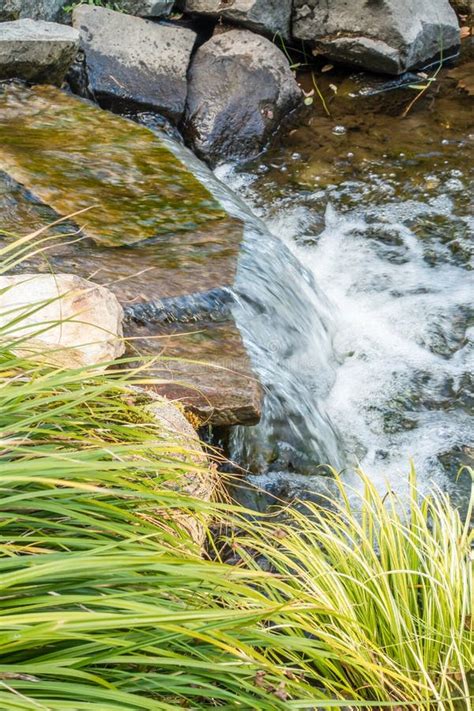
pixel 387 589
pixel 106 603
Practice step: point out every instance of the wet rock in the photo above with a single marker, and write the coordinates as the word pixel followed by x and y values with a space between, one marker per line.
pixel 265 16
pixel 65 320
pixel 147 8
pixel 201 482
pixel 388 36
pixel 36 51
pixel 171 238
pixel 206 368
pixel 137 189
pixel 130 61
pixel 240 88
pixel 48 10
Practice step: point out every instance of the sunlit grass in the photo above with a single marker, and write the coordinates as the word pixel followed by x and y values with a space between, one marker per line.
pixel 107 603
pixel 388 590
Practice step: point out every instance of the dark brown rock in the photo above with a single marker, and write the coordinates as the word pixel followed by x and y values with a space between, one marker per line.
pixel 240 88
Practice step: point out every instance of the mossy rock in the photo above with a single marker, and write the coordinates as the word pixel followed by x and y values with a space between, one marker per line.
pixel 73 155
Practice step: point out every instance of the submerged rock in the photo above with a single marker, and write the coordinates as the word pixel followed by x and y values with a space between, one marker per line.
pixel 240 88
pixel 130 61
pixel 49 10
pixel 267 16
pixel 172 238
pixel 147 8
pixel 389 36
pixel 65 320
pixel 36 51
pixel 73 155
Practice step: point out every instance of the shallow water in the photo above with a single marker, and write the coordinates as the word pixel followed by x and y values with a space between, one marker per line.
pixel 378 210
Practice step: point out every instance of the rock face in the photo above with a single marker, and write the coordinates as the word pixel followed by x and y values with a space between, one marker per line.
pixel 134 61
pixel 387 36
pixel 147 8
pixel 266 16
pixel 49 10
pixel 36 51
pixel 240 88
pixel 66 320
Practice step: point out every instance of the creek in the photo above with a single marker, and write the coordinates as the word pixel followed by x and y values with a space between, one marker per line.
pixel 367 350
pixel 354 289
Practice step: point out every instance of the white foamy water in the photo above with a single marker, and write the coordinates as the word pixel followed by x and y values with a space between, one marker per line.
pixel 402 351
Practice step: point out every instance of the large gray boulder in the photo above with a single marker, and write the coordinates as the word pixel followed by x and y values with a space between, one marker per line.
pixel 36 51
pixel 240 88
pixel 147 8
pixel 389 36
pixel 48 10
pixel 134 61
pixel 266 16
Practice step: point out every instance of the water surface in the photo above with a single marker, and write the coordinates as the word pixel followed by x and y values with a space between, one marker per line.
pixel 377 208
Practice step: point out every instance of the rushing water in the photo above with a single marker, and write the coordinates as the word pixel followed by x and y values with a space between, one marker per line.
pixel 376 367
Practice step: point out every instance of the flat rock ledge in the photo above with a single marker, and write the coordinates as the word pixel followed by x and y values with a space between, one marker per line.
pixel 37 51
pixel 187 244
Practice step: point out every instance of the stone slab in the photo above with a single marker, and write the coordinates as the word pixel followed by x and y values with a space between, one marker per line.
pixel 195 245
pixel 73 155
pixel 36 51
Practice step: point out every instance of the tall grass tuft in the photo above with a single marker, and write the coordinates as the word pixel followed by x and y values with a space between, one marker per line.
pixel 386 588
pixel 105 601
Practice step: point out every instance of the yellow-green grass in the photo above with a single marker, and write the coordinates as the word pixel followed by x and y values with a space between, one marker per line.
pixel 107 604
